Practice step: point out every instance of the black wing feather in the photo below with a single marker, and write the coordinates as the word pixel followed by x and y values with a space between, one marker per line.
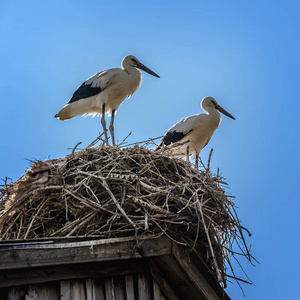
pixel 85 91
pixel 172 137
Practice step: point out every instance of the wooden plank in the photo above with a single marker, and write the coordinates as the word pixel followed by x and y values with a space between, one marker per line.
pixel 109 289
pixel 89 286
pixel 15 293
pixel 88 270
pixel 49 291
pixel 211 280
pixel 144 288
pixel 119 286
pixel 156 291
pixel 60 242
pixel 77 290
pixel 99 289
pixel 176 277
pixel 194 274
pixel 28 256
pixel 94 289
pixel 165 286
pixel 65 290
pixel 129 284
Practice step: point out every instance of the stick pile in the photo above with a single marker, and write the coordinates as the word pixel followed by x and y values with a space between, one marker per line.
pixel 113 192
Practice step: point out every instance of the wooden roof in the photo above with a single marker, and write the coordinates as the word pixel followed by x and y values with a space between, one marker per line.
pixel 179 276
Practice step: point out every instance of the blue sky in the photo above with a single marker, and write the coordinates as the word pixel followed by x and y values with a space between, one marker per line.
pixel 243 53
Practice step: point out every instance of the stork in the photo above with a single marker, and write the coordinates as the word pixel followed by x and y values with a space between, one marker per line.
pixel 194 132
pixel 103 93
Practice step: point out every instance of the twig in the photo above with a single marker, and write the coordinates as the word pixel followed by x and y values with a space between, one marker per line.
pixel 165 232
pixel 120 145
pixel 73 151
pixel 32 220
pixel 105 185
pixel 93 143
pixel 151 206
pixel 209 158
pixel 142 142
pixel 209 241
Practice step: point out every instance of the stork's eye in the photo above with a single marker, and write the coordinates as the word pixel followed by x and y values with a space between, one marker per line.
pixel 134 60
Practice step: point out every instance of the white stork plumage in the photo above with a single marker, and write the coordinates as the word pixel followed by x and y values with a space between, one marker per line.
pixel 194 132
pixel 104 92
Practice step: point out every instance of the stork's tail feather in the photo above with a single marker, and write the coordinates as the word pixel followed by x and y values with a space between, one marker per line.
pixel 64 114
pixel 80 107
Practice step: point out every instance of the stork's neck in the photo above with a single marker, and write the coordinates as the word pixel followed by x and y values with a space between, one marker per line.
pixel 213 114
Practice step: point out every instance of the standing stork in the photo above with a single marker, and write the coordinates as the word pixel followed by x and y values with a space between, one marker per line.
pixel 103 93
pixel 194 132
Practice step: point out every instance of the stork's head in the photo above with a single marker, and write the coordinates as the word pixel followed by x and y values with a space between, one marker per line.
pixel 131 61
pixel 209 103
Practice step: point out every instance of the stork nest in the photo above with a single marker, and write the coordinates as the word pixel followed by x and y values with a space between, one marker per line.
pixel 110 192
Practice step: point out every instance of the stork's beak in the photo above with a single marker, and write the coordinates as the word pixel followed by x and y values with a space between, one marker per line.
pixel 144 68
pixel 223 111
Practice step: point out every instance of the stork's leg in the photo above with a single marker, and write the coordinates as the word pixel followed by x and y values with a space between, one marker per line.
pixel 111 127
pixel 103 122
pixel 188 153
pixel 197 160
